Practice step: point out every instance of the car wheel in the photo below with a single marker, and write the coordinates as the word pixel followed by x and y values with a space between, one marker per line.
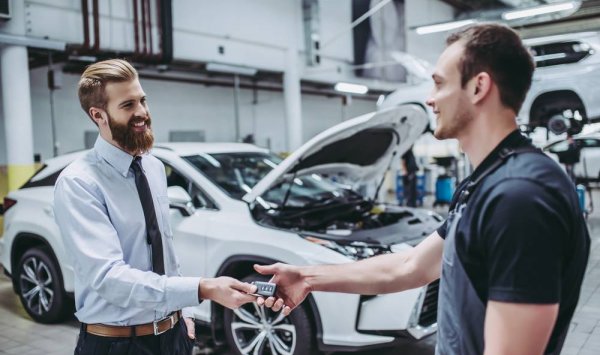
pixel 40 287
pixel 253 329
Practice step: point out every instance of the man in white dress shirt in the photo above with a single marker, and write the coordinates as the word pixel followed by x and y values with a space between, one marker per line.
pixel 112 209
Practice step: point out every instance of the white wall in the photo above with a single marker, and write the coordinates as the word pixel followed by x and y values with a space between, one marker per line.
pixel 254 33
pixel 184 106
pixel 426 12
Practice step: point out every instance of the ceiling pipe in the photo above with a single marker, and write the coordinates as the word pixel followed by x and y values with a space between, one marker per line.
pixel 165 18
pixel 144 32
pixel 143 18
pixel 160 28
pixel 96 18
pixel 86 47
pixel 136 29
pixel 86 24
pixel 149 26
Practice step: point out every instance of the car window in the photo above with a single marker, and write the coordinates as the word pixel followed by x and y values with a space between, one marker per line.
pixel 235 173
pixel 306 191
pixel 199 198
pixel 589 143
pixel 49 180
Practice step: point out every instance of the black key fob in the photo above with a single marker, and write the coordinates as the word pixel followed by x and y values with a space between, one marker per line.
pixel 264 289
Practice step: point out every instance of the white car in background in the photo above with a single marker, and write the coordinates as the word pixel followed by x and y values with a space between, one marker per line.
pixel 234 205
pixel 564 85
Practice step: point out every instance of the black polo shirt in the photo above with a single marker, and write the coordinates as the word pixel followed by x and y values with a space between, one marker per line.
pixel 522 237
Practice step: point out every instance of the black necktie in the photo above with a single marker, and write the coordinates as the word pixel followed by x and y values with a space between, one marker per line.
pixel 154 235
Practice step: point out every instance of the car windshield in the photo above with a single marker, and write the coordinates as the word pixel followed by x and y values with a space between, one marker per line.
pixel 306 191
pixel 236 173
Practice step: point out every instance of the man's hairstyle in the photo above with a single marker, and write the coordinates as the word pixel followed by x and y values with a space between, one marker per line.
pixel 95 77
pixel 497 50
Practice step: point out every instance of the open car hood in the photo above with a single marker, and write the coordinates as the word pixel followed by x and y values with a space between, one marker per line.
pixel 355 152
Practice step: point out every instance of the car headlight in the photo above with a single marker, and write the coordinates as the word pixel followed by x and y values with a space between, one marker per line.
pixel 352 250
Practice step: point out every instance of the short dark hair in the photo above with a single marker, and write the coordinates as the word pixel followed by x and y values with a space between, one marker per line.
pixel 497 50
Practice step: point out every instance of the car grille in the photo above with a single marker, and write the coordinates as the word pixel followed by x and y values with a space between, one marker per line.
pixel 428 314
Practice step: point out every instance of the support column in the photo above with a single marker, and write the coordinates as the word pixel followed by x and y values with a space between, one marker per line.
pixel 16 101
pixel 293 98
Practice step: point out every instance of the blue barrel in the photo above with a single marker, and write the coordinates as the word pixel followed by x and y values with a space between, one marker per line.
pixel 444 189
pixel 399 189
pixel 420 189
pixel 581 195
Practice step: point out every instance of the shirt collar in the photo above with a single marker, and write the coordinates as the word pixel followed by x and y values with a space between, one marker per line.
pixel 116 157
pixel 513 140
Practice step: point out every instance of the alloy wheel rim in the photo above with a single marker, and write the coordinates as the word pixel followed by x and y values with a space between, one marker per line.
pixel 36 286
pixel 258 330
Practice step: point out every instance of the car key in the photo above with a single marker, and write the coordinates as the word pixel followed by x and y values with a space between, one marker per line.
pixel 264 289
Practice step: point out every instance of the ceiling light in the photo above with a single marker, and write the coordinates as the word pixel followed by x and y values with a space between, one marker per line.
pixel 538 10
pixel 351 88
pixel 446 26
pixel 83 58
pixel 231 69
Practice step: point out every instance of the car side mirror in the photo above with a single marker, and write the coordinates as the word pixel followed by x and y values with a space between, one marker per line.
pixel 180 200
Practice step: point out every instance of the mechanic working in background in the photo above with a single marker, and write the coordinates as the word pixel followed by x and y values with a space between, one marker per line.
pixel 512 254
pixel 570 157
pixel 112 209
pixel 409 179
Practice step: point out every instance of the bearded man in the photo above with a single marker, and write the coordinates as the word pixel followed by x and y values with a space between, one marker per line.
pixel 112 209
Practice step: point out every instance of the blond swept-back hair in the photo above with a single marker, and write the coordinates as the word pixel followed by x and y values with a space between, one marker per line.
pixel 95 77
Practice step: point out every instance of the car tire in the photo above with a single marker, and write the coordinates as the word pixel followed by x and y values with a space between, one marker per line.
pixel 245 330
pixel 40 287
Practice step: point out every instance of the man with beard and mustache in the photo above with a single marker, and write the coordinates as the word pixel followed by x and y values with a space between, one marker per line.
pixel 512 253
pixel 112 209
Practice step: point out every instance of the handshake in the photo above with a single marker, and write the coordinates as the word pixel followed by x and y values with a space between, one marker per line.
pixel 233 293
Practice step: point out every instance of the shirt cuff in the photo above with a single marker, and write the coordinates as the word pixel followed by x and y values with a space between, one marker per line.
pixel 182 292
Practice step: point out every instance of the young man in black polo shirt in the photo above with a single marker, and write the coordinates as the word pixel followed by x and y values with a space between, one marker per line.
pixel 513 251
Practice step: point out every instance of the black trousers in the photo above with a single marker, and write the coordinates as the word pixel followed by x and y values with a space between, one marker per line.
pixel 172 342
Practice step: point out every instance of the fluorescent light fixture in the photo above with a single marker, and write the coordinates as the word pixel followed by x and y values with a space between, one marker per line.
pixel 26 41
pixel 231 69
pixel 446 26
pixel 538 10
pixel 351 88
pixel 83 58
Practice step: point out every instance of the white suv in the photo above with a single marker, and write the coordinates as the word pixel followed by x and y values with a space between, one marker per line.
pixel 234 205
pixel 564 83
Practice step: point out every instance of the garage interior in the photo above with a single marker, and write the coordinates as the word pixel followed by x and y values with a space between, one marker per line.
pixel 272 73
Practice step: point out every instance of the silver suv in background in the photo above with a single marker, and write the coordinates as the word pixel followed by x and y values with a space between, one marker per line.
pixel 564 87
pixel 563 91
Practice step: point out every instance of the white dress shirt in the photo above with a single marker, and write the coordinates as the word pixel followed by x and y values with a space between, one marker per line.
pixel 100 216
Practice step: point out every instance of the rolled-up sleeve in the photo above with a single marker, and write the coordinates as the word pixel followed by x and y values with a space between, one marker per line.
pixel 97 257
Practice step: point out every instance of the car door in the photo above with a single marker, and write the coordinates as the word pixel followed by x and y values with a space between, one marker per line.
pixel 190 232
pixel 589 165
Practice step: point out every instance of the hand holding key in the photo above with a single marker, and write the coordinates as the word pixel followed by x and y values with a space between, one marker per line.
pixel 291 288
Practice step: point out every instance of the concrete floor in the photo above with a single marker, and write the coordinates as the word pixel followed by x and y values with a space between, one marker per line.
pixel 20 335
